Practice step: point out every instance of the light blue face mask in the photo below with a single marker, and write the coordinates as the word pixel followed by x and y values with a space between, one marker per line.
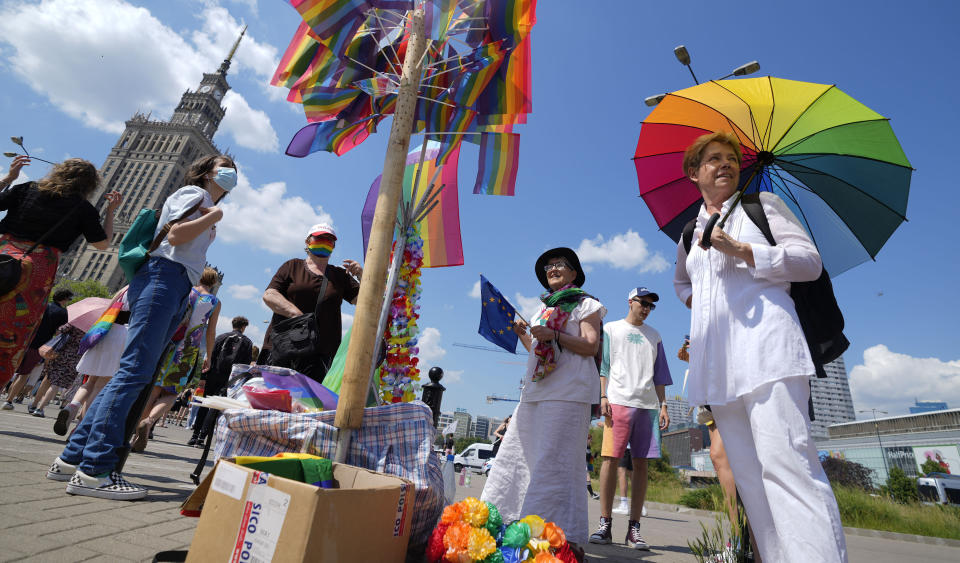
pixel 226 178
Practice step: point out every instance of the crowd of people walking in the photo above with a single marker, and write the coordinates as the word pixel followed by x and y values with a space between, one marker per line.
pixel 161 329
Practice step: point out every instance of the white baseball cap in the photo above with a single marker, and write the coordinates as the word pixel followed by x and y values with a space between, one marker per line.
pixel 322 229
pixel 643 292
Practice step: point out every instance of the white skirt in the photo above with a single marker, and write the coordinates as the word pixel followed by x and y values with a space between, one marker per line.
pixel 103 360
pixel 541 467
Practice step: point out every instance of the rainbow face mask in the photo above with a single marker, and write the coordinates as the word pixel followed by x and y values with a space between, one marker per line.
pixel 322 248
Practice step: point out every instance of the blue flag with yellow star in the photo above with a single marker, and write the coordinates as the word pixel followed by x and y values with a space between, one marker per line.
pixel 496 317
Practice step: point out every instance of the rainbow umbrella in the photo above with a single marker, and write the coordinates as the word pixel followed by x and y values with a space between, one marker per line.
pixel 835 162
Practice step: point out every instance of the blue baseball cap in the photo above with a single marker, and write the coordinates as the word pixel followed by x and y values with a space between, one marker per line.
pixel 643 292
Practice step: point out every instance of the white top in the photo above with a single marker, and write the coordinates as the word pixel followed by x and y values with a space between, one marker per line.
pixel 193 254
pixel 576 377
pixel 744 330
pixel 634 364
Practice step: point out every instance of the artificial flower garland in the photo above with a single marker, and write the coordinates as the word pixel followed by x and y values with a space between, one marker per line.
pixel 400 376
pixel 473 530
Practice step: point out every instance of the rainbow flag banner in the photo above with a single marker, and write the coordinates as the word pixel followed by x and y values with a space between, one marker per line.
pixel 311 394
pixel 440 229
pixel 499 156
pixel 322 103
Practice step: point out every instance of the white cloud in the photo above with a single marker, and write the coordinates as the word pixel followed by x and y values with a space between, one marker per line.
pixel 250 128
pixel 475 291
pixel 624 251
pixel 430 349
pixel 246 207
pixel 528 305
pixel 108 38
pixel 890 381
pixel 346 321
pixel 451 376
pixel 245 292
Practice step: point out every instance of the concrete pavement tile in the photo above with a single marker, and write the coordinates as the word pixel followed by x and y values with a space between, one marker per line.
pixel 45 527
pixel 11 555
pixel 144 538
pixel 10 513
pixel 56 502
pixel 111 559
pixel 26 542
pixel 173 526
pixel 114 548
pixel 80 534
pixel 66 554
pixel 181 539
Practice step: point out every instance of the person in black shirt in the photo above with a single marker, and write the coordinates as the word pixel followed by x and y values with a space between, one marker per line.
pixel 54 317
pixel 52 212
pixel 230 348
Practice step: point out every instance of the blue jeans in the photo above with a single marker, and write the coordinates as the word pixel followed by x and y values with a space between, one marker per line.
pixel 158 298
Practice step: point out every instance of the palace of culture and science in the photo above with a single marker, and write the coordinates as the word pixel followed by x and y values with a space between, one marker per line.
pixel 146 165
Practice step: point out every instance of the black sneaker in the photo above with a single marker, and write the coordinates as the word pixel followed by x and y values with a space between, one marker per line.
pixel 602 535
pixel 110 486
pixel 63 420
pixel 634 539
pixel 192 441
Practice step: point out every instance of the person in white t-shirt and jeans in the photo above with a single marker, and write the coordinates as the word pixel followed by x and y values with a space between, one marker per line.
pixel 158 297
pixel 633 380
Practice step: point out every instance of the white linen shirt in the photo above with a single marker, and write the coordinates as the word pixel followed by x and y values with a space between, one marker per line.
pixel 744 330
pixel 576 377
pixel 192 254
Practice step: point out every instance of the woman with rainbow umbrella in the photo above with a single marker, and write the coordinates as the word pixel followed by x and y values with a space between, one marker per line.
pixel 833 182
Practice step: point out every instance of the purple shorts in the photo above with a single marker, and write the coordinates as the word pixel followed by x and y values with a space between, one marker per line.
pixel 638 427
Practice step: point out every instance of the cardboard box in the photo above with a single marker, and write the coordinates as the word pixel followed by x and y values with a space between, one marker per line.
pixel 251 516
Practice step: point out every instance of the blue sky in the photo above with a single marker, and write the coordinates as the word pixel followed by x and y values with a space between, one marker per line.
pixel 68 87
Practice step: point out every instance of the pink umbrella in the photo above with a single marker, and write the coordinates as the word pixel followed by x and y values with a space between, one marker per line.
pixel 85 312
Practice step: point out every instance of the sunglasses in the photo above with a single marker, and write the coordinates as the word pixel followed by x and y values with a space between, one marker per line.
pixel 647 304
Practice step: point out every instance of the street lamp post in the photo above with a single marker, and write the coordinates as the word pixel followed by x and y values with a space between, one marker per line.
pixel 684 57
pixel 876 427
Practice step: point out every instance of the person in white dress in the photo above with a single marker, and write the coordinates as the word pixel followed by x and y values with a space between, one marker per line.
pixel 749 360
pixel 540 465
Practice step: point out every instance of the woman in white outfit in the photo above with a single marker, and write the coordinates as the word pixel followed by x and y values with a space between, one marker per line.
pixel 749 360
pixel 540 465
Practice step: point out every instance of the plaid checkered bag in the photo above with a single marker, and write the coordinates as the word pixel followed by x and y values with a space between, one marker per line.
pixel 396 439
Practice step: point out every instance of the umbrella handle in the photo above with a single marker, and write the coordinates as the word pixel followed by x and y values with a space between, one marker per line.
pixel 708 230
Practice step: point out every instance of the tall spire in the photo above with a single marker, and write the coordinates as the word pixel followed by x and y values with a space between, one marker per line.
pixel 225 65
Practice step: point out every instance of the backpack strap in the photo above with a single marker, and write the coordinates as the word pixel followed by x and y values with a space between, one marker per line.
pixel 687 234
pixel 166 228
pixel 754 210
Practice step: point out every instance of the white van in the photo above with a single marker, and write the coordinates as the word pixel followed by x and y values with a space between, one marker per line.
pixel 941 488
pixel 473 457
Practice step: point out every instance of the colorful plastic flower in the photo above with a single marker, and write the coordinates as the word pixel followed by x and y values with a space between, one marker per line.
pixel 536 524
pixel 516 534
pixel 475 512
pixel 481 544
pixel 553 534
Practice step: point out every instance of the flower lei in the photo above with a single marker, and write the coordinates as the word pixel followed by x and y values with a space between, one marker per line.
pixel 400 375
pixel 473 530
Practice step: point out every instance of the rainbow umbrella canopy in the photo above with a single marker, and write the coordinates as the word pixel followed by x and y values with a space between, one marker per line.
pixel 835 162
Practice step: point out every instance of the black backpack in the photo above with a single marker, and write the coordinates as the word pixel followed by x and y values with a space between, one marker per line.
pixel 228 354
pixel 817 309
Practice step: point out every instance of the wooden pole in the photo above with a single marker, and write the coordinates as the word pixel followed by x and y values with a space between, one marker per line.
pixel 356 373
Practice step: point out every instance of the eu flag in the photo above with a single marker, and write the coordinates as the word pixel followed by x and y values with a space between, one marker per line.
pixel 496 317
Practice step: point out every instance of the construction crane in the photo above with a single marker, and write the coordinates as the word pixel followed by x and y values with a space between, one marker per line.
pixel 501 398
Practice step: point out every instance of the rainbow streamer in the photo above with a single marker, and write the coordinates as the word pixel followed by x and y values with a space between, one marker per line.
pixel 305 63
pixel 378 86
pixel 479 69
pixel 325 136
pixel 440 229
pixel 499 156
pixel 102 326
pixel 327 17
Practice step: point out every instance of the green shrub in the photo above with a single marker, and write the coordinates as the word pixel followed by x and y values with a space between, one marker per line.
pixel 899 487
pixel 932 466
pixel 707 498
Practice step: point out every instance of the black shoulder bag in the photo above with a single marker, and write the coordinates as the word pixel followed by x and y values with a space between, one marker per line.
pixel 295 338
pixel 11 269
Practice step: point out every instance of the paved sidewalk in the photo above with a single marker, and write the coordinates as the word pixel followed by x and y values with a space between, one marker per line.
pixel 42 523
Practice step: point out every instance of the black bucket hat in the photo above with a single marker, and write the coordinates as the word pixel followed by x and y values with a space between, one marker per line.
pixel 562 252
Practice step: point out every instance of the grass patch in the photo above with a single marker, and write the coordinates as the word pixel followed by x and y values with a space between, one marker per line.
pixel 859 509
pixel 706 498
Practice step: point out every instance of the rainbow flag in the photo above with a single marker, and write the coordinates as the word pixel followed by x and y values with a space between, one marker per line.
pixel 499 156
pixel 305 63
pixel 479 69
pixel 440 229
pixel 103 324
pixel 323 103
pixel 327 17
pixel 326 136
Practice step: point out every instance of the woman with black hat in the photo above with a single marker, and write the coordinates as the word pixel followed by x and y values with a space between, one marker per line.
pixel 540 465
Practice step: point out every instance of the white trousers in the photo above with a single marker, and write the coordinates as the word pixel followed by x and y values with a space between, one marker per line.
pixel 788 498
pixel 541 467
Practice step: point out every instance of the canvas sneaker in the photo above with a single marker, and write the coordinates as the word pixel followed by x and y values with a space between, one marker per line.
pixel 603 535
pixel 38 413
pixel 111 486
pixel 61 470
pixel 634 539
pixel 643 511
pixel 8 406
pixel 624 507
